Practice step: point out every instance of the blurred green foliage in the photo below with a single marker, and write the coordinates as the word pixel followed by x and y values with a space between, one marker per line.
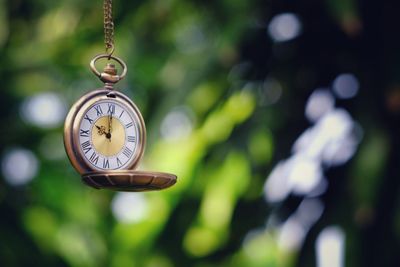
pixel 207 61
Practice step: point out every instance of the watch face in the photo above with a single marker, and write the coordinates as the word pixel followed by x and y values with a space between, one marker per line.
pixel 109 135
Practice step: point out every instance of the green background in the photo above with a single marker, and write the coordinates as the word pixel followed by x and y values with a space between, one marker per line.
pixel 205 65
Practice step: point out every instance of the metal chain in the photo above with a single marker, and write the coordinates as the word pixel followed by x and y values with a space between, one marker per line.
pixel 108 27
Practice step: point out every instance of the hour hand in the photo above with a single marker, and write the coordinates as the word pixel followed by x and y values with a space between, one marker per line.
pixel 101 130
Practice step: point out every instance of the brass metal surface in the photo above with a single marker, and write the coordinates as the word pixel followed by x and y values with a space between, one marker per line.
pixel 132 181
pixel 108 27
pixel 106 76
pixel 110 69
pixel 75 116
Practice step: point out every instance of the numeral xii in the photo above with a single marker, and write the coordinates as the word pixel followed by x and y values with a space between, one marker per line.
pixel 111 109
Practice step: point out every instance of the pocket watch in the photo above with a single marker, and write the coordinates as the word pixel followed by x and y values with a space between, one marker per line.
pixel 105 136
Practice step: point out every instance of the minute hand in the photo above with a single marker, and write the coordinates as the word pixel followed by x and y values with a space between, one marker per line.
pixel 109 127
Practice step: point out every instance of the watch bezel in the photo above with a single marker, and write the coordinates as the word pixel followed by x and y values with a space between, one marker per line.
pixel 74 118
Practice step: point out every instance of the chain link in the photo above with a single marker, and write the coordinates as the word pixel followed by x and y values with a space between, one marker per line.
pixel 108 27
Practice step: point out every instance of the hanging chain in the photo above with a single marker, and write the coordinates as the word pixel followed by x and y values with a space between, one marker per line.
pixel 108 27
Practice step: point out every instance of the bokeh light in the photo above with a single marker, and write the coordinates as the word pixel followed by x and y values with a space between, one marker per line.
pixel 46 110
pixel 19 166
pixel 277 188
pixel 176 124
pixel 318 104
pixel 284 27
pixel 129 208
pixel 345 86
pixel 332 136
pixel 309 211
pixel 305 174
pixel 291 234
pixel 293 231
pixel 330 247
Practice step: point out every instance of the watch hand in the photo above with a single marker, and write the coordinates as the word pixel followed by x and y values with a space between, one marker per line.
pixel 108 135
pixel 100 129
pixel 110 123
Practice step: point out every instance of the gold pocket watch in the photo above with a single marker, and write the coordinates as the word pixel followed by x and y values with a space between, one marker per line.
pixel 105 136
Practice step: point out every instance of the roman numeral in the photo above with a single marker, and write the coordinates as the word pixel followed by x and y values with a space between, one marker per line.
pixel 86 147
pixel 132 139
pixel 129 125
pixel 98 110
pixel 106 164
pixel 88 119
pixel 111 109
pixel 94 158
pixel 84 133
pixel 122 112
pixel 119 163
pixel 127 152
